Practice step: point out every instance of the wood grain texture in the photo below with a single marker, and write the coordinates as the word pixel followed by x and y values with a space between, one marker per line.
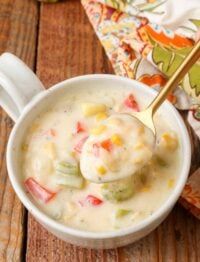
pixel 18 33
pixel 69 47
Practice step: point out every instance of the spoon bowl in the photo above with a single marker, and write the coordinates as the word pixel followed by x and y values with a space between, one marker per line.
pixel 124 147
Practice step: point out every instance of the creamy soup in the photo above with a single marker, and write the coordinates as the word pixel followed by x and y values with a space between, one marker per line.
pixel 73 129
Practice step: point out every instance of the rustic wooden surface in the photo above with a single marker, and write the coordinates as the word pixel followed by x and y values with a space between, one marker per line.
pixel 18 35
pixel 59 42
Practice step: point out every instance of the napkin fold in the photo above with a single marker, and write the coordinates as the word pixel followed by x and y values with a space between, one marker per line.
pixel 190 197
pixel 147 40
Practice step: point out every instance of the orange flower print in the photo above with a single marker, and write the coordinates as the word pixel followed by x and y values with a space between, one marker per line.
pixel 156 80
pixel 147 32
pixel 191 195
pixel 152 80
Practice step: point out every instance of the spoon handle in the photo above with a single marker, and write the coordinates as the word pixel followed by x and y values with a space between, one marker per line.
pixel 191 58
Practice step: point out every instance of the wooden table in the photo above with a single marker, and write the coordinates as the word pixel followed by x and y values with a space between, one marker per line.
pixel 58 42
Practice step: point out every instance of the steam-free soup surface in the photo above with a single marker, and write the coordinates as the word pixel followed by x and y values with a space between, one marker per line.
pixel 52 150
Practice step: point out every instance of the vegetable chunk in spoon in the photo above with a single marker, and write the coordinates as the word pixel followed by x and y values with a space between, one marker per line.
pixel 116 149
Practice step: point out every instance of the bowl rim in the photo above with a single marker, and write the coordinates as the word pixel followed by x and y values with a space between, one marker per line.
pixel 49 222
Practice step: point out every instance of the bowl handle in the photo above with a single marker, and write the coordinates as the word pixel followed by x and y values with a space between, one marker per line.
pixel 18 85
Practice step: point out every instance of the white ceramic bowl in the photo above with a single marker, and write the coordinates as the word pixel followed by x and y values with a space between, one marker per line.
pixel 33 106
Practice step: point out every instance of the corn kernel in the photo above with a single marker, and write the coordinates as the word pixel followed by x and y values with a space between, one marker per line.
pixel 73 154
pixel 137 160
pixel 170 141
pixel 87 182
pixel 91 109
pixel 34 127
pixel 116 140
pixel 50 149
pixel 101 116
pixel 24 147
pixel 101 170
pixel 170 183
pixel 138 146
pixel 114 121
pixel 145 189
pixel 141 130
pixel 98 130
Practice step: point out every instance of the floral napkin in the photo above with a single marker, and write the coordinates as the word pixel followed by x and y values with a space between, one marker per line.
pixel 147 40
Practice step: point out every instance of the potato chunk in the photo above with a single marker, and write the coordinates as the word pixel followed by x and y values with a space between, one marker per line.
pixel 98 130
pixel 91 109
pixel 101 116
pixel 169 141
pixel 50 149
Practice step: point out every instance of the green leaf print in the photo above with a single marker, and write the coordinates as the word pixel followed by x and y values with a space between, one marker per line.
pixel 195 22
pixel 168 60
pixel 196 113
pixel 194 77
pixel 150 6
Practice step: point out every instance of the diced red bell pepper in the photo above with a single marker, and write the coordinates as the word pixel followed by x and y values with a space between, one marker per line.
pixel 95 201
pixel 91 200
pixel 79 127
pixel 130 102
pixel 38 191
pixel 107 145
pixel 79 145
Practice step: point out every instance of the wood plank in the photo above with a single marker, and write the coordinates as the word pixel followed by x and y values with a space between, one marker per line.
pixel 18 34
pixel 69 47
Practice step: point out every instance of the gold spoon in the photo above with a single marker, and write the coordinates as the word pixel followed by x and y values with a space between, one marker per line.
pixel 146 116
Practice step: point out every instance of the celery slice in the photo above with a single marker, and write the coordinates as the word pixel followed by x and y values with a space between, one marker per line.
pixel 160 161
pixel 122 212
pixel 70 181
pixel 67 168
pixel 119 190
pixel 68 175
